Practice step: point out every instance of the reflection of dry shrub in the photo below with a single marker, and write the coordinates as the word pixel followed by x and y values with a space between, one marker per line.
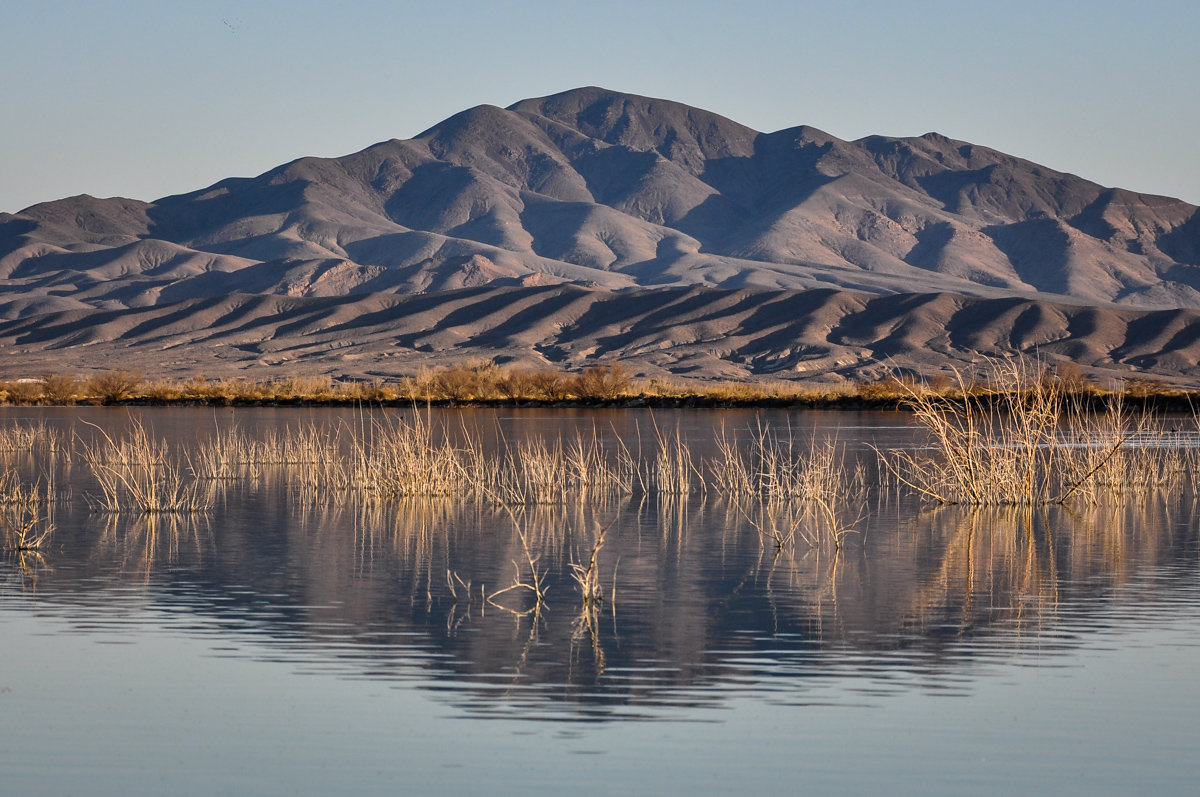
pixel 113 386
pixel 608 381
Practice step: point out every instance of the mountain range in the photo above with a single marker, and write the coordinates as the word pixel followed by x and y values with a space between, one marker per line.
pixel 595 224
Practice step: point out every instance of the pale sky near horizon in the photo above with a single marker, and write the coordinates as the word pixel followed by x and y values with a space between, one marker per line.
pixel 143 98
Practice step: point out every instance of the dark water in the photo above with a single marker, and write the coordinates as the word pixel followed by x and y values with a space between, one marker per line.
pixel 276 645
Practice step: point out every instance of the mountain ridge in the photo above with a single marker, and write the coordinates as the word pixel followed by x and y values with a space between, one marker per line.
pixel 615 192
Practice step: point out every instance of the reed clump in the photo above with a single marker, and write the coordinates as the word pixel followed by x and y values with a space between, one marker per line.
pixel 1028 439
pixel 788 492
pixel 228 454
pixel 533 583
pixel 38 438
pixel 24 513
pixel 775 466
pixel 410 457
pixel 137 473
pixel 538 471
pixel 672 470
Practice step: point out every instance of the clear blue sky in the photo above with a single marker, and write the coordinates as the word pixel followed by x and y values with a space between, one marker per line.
pixel 146 99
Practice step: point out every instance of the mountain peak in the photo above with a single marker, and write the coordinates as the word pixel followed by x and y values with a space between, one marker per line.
pixel 617 189
pixel 676 131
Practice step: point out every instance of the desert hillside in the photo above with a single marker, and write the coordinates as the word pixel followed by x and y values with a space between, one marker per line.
pixel 824 335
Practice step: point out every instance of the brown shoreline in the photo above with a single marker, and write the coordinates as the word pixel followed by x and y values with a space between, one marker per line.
pixel 1184 402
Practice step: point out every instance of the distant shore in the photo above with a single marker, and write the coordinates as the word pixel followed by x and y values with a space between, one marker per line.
pixel 608 386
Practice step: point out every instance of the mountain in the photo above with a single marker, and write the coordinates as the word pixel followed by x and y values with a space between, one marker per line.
pixel 616 195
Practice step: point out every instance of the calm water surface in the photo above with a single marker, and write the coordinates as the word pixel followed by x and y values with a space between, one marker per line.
pixel 277 645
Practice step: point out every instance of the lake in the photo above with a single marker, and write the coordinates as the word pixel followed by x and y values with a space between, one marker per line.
pixel 298 635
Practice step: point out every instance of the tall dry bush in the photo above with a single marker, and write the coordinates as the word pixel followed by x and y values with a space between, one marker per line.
pixel 113 386
pixel 515 384
pixel 21 391
pixel 60 389
pixel 606 382
pixel 472 380
pixel 548 385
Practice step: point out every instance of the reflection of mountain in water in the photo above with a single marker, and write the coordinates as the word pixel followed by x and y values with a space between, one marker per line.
pixel 700 606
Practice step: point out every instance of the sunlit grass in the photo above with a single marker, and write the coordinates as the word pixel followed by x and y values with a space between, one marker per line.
pixel 483 381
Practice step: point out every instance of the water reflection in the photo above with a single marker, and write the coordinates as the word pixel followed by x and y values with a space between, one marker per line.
pixel 691 604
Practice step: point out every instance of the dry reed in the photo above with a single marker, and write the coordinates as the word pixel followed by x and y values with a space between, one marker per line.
pixel 1029 441
pixel 136 473
pixel 24 513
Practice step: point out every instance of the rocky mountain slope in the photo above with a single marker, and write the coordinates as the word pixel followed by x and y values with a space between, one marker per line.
pixel 618 197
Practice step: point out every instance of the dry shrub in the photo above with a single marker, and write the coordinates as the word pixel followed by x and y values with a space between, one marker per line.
pixel 1144 388
pixel 301 387
pixel 22 391
pixel 1070 380
pixel 890 388
pixel 736 391
pixel 658 386
pixel 548 385
pixel 374 390
pixel 162 391
pixel 245 390
pixel 941 384
pixel 525 383
pixel 60 389
pixel 113 386
pixel 607 381
pixel 515 384
pixel 411 388
pixel 200 388
pixel 472 380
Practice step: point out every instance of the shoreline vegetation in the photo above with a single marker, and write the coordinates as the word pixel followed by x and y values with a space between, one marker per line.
pixel 484 384
pixel 1034 441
